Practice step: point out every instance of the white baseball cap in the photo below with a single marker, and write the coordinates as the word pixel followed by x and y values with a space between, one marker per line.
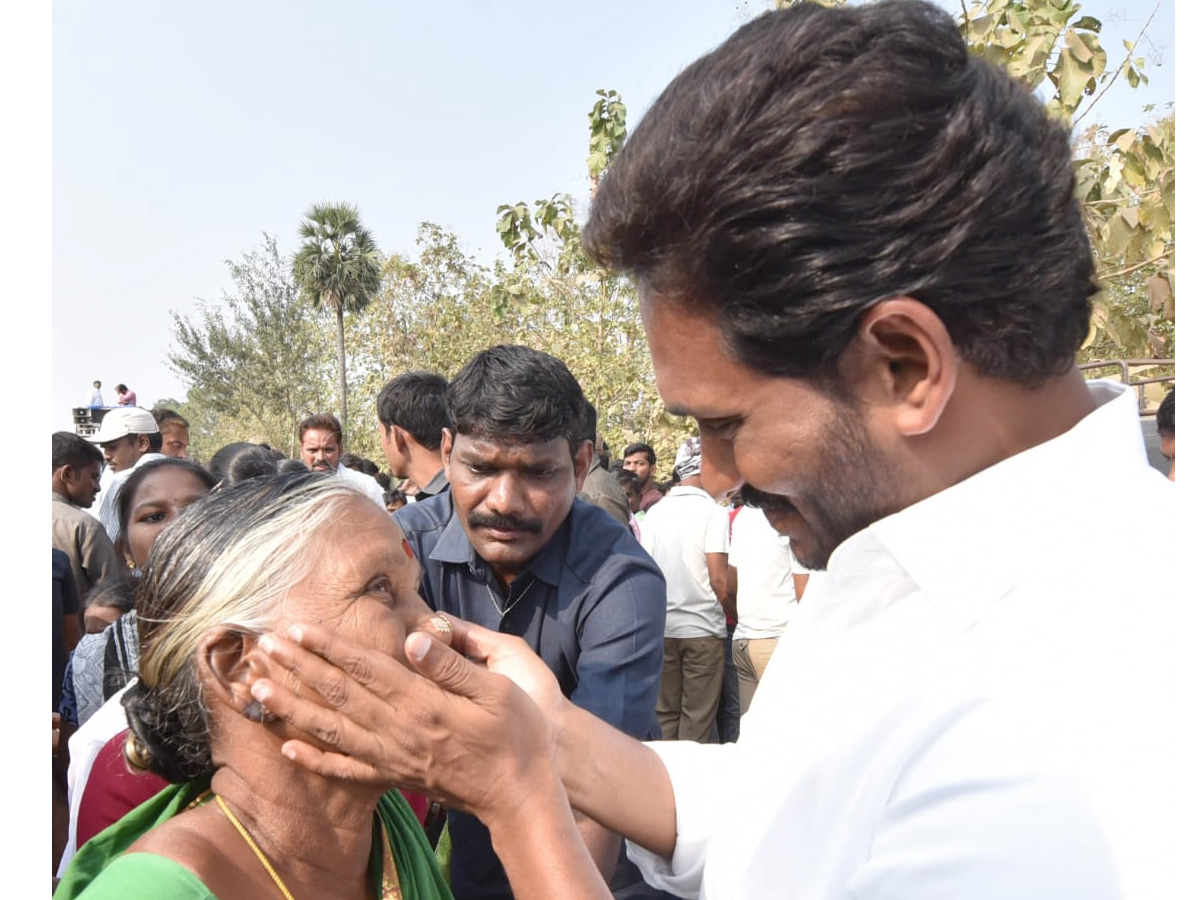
pixel 122 421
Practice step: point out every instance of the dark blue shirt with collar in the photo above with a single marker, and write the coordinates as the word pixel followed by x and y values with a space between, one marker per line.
pixel 592 604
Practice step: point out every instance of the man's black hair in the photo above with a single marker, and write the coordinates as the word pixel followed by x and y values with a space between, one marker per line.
pixel 69 449
pixel 515 393
pixel 1165 417
pixel 640 448
pixel 628 478
pixel 824 159
pixel 164 415
pixel 320 422
pixel 416 402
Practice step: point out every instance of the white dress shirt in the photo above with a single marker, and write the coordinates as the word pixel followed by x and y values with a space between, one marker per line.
pixel 990 694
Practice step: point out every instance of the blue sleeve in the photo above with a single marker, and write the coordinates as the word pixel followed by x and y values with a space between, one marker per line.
pixel 621 650
pixel 68 707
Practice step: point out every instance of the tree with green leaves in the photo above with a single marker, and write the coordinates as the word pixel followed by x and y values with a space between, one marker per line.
pixel 253 362
pixel 555 298
pixel 336 267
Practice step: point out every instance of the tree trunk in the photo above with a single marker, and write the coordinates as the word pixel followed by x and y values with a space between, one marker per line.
pixel 342 366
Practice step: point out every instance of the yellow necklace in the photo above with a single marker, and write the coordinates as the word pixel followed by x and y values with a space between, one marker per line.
pixel 262 857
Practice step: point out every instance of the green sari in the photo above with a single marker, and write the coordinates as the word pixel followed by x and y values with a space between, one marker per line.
pixel 102 868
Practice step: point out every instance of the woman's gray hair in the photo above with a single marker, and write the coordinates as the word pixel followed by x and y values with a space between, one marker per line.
pixel 228 561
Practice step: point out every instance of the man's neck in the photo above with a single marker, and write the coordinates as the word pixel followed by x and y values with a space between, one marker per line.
pixel 990 420
pixel 425 465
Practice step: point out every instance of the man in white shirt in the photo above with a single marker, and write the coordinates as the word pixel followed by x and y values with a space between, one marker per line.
pixel 687 534
pixel 321 450
pixel 765 581
pixel 863 270
pixel 129 437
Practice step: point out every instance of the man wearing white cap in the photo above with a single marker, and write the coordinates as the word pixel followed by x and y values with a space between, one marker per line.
pixel 129 437
pixel 687 533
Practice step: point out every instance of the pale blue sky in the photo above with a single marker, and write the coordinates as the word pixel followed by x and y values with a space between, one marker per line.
pixel 182 131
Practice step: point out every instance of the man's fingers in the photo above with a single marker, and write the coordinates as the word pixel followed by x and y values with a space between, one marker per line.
pixel 329 765
pixel 479 643
pixel 444 666
pixel 328 726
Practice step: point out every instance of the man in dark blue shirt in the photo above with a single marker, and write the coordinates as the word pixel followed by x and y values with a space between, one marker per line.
pixel 510 548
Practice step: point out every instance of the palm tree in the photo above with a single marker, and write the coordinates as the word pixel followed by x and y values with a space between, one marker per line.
pixel 337 265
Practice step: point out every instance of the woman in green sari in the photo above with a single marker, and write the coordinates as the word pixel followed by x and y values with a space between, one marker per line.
pixel 240 821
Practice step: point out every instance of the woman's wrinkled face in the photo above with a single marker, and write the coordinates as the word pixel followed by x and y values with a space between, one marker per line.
pixel 159 499
pixel 363 585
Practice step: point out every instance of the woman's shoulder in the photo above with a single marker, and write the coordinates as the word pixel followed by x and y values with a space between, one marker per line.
pixel 143 876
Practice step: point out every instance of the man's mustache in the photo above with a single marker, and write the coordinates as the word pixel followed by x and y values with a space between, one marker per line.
pixel 751 496
pixel 506 523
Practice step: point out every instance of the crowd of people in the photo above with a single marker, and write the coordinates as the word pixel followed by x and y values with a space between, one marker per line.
pixel 857 642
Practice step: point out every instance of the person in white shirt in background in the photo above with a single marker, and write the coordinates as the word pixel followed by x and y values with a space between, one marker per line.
pixel 863 269
pixel 765 582
pixel 128 437
pixel 687 534
pixel 321 451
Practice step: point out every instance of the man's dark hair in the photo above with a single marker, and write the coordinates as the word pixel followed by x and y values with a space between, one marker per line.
pixel 416 402
pixel 626 478
pixel 516 393
pixel 359 464
pixel 822 160
pixel 69 449
pixel 640 448
pixel 164 416
pixel 121 387
pixel 322 422
pixel 1165 417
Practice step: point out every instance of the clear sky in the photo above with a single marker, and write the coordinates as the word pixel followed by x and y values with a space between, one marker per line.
pixel 183 131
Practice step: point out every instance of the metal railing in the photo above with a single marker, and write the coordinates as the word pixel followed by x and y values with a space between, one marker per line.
pixel 1123 366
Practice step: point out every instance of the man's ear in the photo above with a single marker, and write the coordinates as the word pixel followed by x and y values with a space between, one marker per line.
pixel 583 462
pixel 447 446
pixel 143 442
pixel 397 436
pixel 903 363
pixel 228 660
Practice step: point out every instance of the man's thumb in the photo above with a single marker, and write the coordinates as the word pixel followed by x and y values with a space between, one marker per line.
pixel 442 665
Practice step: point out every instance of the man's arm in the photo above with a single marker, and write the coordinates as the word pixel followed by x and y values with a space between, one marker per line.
pixel 731 592
pixel 718 577
pixel 391 726
pixel 617 671
pixel 97 554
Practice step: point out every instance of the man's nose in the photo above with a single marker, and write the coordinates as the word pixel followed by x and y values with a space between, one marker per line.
pixel 507 494
pixel 719 474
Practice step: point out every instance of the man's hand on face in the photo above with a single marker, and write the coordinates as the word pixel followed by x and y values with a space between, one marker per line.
pixel 457 728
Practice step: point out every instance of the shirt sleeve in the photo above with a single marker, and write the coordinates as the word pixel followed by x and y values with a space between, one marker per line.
pixel 621 648
pixel 716 531
pixel 700 808
pixel 98 556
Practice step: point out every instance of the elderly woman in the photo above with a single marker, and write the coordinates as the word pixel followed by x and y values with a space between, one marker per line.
pixel 237 821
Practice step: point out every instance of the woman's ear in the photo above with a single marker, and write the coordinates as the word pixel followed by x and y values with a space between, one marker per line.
pixel 229 661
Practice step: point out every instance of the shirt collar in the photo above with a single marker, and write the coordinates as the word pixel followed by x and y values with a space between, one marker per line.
pixel 455 547
pixel 436 485
pixel 965 546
